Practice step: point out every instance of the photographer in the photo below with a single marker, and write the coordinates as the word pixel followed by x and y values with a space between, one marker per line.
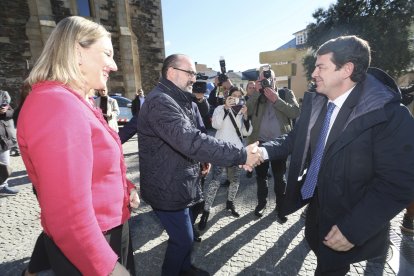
pixel 199 89
pixel 222 86
pixel 232 124
pixel 271 112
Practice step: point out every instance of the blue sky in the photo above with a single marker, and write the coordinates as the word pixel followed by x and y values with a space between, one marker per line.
pixel 238 30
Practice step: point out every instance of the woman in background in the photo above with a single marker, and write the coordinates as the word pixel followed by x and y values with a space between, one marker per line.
pixel 232 124
pixel 109 107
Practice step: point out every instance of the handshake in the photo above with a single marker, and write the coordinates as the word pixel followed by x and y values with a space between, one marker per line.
pixel 254 157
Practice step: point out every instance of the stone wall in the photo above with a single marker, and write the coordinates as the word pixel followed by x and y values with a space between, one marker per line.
pixel 137 37
pixel 146 21
pixel 14 46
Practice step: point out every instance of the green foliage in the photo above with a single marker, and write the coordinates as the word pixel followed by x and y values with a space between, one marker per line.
pixel 385 24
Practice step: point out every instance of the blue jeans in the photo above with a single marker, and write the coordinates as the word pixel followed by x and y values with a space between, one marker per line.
pixel 180 231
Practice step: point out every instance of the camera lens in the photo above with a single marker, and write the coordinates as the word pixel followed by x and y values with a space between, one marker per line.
pixel 265 83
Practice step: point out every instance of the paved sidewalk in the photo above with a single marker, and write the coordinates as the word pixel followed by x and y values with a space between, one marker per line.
pixel 230 246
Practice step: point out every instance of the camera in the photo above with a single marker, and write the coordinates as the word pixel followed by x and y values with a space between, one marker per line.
pixel 312 87
pixel 4 104
pixel 267 81
pixel 222 77
pixel 200 86
pixel 238 104
pixel 240 101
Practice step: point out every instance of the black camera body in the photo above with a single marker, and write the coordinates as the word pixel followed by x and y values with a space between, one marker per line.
pixel 200 86
pixel 267 74
pixel 239 104
pixel 312 87
pixel 265 83
pixel 222 77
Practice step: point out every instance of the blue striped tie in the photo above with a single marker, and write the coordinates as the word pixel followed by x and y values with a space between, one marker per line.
pixel 308 187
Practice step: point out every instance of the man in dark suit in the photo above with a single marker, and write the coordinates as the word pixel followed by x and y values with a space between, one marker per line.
pixel 353 164
pixel 137 102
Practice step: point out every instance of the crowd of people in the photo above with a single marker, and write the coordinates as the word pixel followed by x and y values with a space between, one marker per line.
pixel 350 147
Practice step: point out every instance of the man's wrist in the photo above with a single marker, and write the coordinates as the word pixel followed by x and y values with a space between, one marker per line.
pixel 264 153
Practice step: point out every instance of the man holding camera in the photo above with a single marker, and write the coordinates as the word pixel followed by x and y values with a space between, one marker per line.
pixel 199 89
pixel 271 116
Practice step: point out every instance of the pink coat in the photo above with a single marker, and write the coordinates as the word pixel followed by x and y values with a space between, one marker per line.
pixel 75 162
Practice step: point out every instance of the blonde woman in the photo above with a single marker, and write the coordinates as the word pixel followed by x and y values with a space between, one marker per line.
pixel 72 156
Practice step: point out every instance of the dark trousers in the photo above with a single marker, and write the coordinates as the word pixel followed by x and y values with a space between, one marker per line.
pixel 179 229
pixel 278 170
pixel 341 271
pixel 46 255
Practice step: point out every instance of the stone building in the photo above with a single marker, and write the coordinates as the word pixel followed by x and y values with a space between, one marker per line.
pixel 137 37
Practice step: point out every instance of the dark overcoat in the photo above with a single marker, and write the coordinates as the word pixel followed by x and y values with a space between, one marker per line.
pixel 367 172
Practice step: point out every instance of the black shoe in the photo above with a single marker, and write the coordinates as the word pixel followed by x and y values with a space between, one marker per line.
pixel 230 206
pixel 225 183
pixel 407 225
pixel 279 218
pixel 203 221
pixel 259 210
pixel 14 151
pixel 8 191
pixel 196 235
pixel 194 271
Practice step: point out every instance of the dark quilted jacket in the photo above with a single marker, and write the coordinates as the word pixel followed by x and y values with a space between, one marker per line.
pixel 171 147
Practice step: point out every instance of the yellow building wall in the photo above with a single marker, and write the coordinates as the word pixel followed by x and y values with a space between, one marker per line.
pixel 287 65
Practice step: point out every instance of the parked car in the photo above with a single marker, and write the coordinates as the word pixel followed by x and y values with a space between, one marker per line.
pixel 125 113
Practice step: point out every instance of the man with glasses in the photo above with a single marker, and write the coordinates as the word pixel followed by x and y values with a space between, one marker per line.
pixel 170 151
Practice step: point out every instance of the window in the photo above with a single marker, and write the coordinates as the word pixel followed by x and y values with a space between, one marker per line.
pixel 84 8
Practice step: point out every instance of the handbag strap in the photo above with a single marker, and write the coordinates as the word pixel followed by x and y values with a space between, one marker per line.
pixel 235 126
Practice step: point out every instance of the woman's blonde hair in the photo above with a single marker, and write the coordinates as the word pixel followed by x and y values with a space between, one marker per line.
pixel 58 60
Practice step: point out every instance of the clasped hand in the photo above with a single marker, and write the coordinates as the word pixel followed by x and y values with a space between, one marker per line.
pixel 254 157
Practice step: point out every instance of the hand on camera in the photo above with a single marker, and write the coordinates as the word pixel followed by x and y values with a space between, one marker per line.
pixel 230 101
pixel 271 94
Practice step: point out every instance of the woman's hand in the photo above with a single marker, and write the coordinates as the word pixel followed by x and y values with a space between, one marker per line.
pixel 134 199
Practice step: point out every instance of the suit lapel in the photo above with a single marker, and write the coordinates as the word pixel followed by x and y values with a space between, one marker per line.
pixel 342 117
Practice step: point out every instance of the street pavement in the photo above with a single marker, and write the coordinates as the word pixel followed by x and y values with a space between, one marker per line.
pixel 230 246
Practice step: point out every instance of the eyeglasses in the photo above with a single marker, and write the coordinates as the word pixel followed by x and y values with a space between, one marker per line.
pixel 190 73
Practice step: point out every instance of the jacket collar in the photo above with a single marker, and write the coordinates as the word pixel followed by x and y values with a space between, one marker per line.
pixel 174 92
